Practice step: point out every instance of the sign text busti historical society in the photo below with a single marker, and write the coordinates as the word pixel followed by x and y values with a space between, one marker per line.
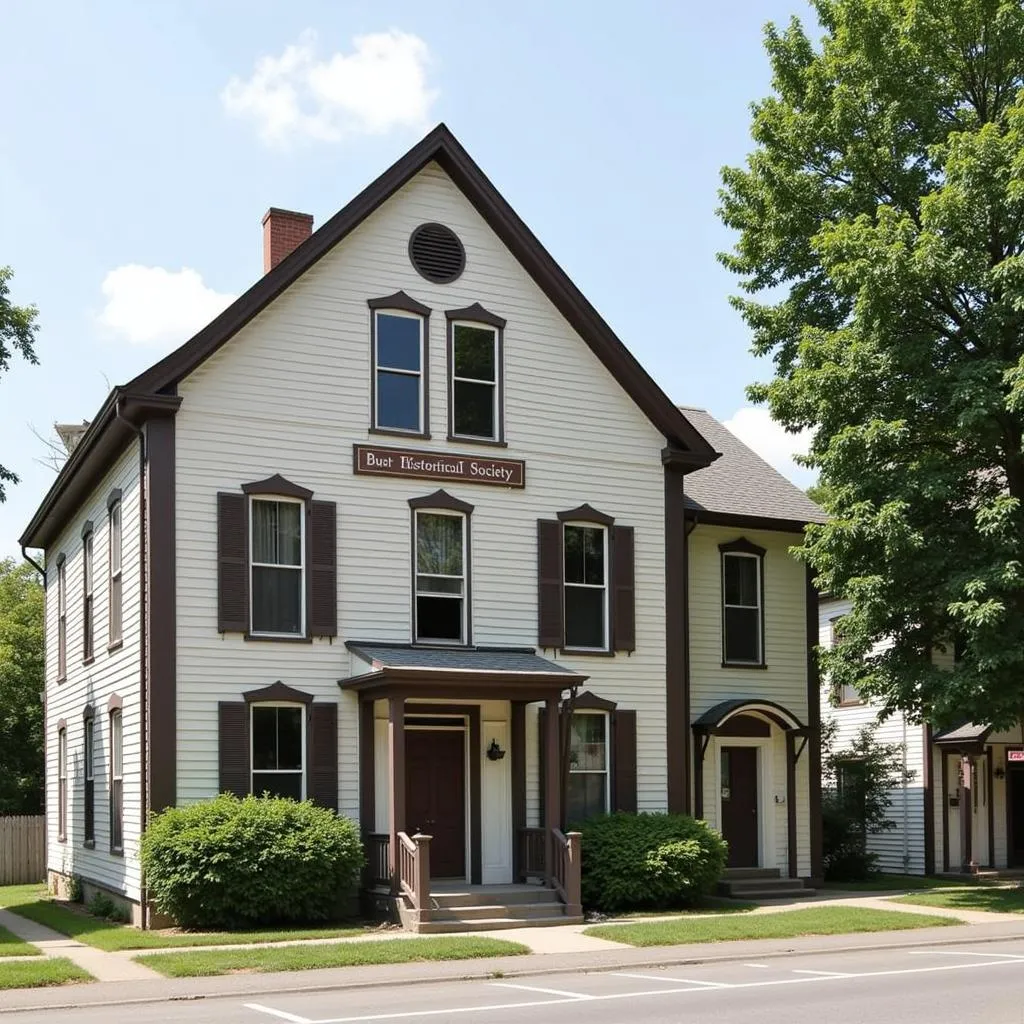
pixel 373 460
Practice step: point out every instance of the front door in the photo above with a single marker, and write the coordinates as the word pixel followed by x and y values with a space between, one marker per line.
pixel 739 805
pixel 435 796
pixel 1015 813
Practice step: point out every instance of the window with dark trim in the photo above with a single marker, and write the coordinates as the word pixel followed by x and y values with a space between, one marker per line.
pixel 62 783
pixel 277 566
pixel 742 604
pixel 475 386
pixel 277 758
pixel 114 571
pixel 589 786
pixel 62 617
pixel 89 773
pixel 440 578
pixel 585 547
pixel 116 782
pixel 847 694
pixel 88 607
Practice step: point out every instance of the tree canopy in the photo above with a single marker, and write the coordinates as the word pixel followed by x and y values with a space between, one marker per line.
pixel 21 689
pixel 880 221
pixel 18 326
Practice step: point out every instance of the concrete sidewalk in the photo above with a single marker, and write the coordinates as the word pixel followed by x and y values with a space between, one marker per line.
pixel 608 959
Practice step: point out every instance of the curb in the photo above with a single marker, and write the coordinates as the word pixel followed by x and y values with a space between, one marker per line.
pixel 677 960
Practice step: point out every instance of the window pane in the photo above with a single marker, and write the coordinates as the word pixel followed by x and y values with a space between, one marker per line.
pixel 277 532
pixel 742 634
pixel 289 738
pixel 741 580
pixel 438 585
pixel 264 738
pixel 584 617
pixel 88 564
pixel 398 401
pixel 584 554
pixel 474 352
pixel 115 537
pixel 588 750
pixel 285 784
pixel 398 341
pixel 115 744
pixel 439 544
pixel 473 413
pixel 88 749
pixel 276 600
pixel 439 618
pixel 586 796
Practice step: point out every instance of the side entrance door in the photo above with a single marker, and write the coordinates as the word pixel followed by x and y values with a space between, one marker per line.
pixel 739 805
pixel 435 795
pixel 1015 814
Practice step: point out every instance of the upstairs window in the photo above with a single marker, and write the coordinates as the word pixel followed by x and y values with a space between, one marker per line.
pixel 847 693
pixel 114 567
pixel 440 583
pixel 474 368
pixel 278 750
pixel 586 586
pixel 87 598
pixel 62 618
pixel 277 566
pixel 742 604
pixel 588 791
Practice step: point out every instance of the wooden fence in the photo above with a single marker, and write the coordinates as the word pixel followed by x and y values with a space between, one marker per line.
pixel 22 849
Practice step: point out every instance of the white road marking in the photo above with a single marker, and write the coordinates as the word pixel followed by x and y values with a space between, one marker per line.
pixel 294 1018
pixel 671 981
pixel 826 974
pixel 546 991
pixel 958 952
pixel 760 967
pixel 574 998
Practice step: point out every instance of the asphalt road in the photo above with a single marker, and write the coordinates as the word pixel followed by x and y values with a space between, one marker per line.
pixel 961 984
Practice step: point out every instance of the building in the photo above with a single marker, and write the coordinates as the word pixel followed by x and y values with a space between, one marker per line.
pixel 379 529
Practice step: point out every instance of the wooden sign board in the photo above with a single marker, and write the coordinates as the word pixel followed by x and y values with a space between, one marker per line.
pixel 1015 756
pixel 373 460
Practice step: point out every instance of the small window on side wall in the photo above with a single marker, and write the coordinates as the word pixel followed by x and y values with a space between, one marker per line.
pixel 114 580
pixel 742 604
pixel 116 783
pixel 278 750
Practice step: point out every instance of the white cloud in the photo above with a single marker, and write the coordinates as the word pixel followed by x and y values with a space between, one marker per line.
pixel 380 85
pixel 756 429
pixel 152 306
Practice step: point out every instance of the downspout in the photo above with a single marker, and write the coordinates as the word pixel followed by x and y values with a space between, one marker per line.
pixel 35 565
pixel 143 646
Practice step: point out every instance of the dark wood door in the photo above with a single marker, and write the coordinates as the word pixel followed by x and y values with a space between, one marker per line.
pixel 739 805
pixel 435 796
pixel 1015 814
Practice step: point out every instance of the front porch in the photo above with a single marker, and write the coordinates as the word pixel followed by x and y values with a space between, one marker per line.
pixel 443 773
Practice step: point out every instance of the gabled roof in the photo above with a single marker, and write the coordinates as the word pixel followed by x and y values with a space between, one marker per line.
pixel 741 487
pixel 439 146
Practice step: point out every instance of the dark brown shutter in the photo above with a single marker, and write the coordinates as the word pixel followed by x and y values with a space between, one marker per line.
pixel 232 564
pixel 234 747
pixel 623 591
pixel 323 755
pixel 323 569
pixel 550 625
pixel 624 761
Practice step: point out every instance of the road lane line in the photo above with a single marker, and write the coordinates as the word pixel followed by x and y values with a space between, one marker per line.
pixel 760 967
pixel 544 991
pixel 282 1014
pixel 958 952
pixel 671 981
pixel 826 974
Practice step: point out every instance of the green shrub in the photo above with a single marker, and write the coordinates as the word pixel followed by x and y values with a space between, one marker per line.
pixel 230 863
pixel 646 861
pixel 101 905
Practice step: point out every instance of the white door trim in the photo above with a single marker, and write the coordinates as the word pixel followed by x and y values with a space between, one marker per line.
pixel 767 854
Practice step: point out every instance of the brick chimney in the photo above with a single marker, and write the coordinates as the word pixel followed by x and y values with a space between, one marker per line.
pixel 283 230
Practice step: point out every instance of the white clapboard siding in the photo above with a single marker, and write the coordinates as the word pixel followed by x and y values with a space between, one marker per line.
pixel 111 672
pixel 22 849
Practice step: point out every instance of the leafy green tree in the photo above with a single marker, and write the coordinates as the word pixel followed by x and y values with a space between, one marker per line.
pixel 18 326
pixel 881 252
pixel 21 689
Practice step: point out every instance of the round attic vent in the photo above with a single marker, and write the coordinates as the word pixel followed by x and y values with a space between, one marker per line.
pixel 436 252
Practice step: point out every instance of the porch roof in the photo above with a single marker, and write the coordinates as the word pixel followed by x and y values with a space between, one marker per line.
pixel 500 672
pixel 967 734
pixel 715 717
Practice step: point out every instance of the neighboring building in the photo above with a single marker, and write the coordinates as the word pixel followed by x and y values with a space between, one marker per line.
pixel 375 531
pixel 966 766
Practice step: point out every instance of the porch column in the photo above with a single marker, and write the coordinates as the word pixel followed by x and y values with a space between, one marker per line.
pixel 552 782
pixel 396 781
pixel 967 813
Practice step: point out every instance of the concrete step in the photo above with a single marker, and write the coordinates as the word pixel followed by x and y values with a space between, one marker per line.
pixel 493 896
pixel 490 924
pixel 523 912
pixel 774 894
pixel 762 888
pixel 738 874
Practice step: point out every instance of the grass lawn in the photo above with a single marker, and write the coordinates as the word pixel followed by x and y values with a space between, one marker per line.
pixel 783 925
pixel 898 883
pixel 710 906
pixel 1001 901
pixel 343 954
pixel 33 902
pixel 11 945
pixel 38 973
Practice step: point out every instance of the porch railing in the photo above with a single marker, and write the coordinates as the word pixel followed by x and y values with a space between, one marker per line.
pixel 378 860
pixel 531 853
pixel 413 866
pixel 566 876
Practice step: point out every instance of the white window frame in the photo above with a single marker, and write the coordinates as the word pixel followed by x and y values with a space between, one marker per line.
pixel 588 586
pixel 292 705
pixel 607 772
pixel 89 752
pixel 62 784
pixel 116 773
pixel 88 598
pixel 62 620
pixel 300 568
pixel 377 368
pixel 463 596
pixel 114 576
pixel 495 410
pixel 759 660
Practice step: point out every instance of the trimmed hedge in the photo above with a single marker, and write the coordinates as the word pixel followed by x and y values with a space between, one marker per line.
pixel 229 863
pixel 647 861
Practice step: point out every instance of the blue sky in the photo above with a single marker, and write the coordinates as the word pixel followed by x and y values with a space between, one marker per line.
pixel 143 142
